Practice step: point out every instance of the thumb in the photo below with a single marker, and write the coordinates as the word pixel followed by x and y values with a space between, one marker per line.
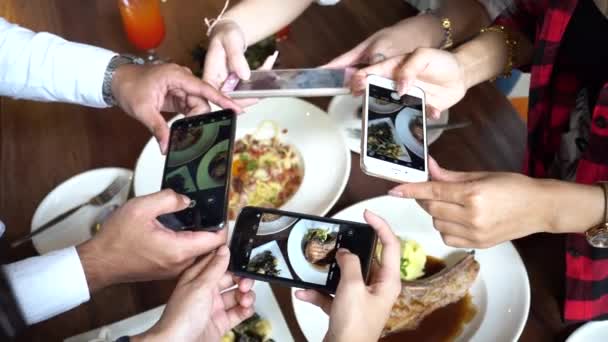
pixel 162 202
pixel 315 298
pixel 236 57
pixel 412 66
pixel 195 243
pixel 215 268
pixel 350 268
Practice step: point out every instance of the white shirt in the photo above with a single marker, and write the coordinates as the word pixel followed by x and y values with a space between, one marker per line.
pixel 45 67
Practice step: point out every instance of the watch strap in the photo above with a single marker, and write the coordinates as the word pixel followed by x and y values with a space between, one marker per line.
pixel 115 62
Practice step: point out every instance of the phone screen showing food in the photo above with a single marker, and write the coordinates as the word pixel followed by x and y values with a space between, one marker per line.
pixel 395 128
pixel 198 166
pixel 294 79
pixel 300 251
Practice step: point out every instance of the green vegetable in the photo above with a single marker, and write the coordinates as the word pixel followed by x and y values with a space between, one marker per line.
pixel 413 259
pixel 252 165
pixel 317 234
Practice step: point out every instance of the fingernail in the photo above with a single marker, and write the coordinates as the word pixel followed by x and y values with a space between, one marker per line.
pixel 395 193
pixel 186 199
pixel 223 250
pixel 343 251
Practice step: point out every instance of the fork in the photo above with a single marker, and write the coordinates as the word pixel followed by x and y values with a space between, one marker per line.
pixel 100 199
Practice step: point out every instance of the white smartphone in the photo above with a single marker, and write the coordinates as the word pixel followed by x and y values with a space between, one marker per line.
pixel 290 82
pixel 393 145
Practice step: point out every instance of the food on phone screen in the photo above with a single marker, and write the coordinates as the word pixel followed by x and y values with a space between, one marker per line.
pixel 319 246
pixel 416 127
pixel 438 303
pixel 266 171
pixel 381 141
pixel 253 329
pixel 185 137
pixel 218 165
pixel 264 263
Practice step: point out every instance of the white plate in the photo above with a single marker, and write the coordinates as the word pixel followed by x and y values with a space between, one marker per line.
pixel 273 227
pixel 303 268
pixel 501 291
pixel 404 155
pixel 76 228
pixel 344 111
pixel 590 332
pixel 273 247
pixel 326 157
pixel 402 126
pixel 265 305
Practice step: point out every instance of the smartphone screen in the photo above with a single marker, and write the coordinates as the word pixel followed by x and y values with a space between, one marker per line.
pixel 198 166
pixel 296 250
pixel 395 128
pixel 290 79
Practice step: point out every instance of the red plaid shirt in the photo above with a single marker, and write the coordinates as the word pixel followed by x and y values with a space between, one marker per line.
pixel 553 93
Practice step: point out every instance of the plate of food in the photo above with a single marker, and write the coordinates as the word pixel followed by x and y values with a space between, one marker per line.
pixel 272 224
pixel 346 112
pixel 311 247
pixel 382 138
pixel 408 125
pixel 267 259
pixel 383 107
pixel 281 148
pixel 448 294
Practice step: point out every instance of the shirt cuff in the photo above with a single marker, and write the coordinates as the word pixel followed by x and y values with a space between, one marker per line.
pixel 47 285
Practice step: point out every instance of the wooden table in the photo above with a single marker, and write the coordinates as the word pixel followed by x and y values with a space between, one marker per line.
pixel 43 144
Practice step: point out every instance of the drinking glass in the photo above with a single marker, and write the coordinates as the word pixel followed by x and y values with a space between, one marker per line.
pixel 144 25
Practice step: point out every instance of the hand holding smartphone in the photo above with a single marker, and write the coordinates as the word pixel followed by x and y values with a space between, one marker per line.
pixel 394 144
pixel 290 82
pixel 198 165
pixel 296 250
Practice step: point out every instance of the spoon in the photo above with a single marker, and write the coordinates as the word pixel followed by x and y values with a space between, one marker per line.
pixel 103 215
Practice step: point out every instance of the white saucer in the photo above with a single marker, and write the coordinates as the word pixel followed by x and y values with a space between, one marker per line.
pixel 76 228
pixel 590 332
pixel 344 109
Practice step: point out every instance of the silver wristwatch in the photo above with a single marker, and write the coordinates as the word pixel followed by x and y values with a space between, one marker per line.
pixel 115 62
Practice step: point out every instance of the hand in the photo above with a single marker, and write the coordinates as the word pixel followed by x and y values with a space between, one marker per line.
pixel 133 246
pixel 226 54
pixel 483 209
pixel 437 72
pixel 198 310
pixel 144 91
pixel 399 39
pixel 358 312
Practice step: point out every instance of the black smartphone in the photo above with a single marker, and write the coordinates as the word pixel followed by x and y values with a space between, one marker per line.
pixel 198 165
pixel 296 250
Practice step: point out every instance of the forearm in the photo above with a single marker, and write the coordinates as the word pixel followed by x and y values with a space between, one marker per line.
pixel 251 14
pixel 574 208
pixel 486 56
pixel 466 16
pixel 45 67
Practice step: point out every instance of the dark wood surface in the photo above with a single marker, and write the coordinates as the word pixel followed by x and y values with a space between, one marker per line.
pixel 42 144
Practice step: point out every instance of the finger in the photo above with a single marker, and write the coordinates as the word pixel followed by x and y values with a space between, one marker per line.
pixel 315 298
pixel 350 268
pixel 358 83
pixel 196 87
pixel 415 64
pixel 457 241
pixel 237 315
pixel 391 247
pixel 245 284
pixel 215 69
pixel 269 62
pixel 437 173
pixel 235 55
pixel 193 271
pixel 215 268
pixel 385 68
pixel 162 202
pixel 157 125
pixel 434 190
pixel 445 211
pixel 197 106
pixel 234 298
pixel 433 112
pixel 193 244
pixel 348 58
pixel 451 228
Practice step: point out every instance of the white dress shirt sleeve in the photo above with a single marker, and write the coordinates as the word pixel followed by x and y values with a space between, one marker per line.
pixel 45 67
pixel 47 285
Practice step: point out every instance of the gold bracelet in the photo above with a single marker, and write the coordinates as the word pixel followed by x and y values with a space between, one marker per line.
pixel 511 47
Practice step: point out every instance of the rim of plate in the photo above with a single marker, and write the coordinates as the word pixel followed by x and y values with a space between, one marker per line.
pixel 584 330
pixel 75 178
pixel 512 332
pixel 330 123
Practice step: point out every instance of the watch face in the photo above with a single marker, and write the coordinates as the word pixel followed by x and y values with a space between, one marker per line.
pixel 599 239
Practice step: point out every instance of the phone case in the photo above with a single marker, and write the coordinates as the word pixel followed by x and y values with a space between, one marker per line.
pixel 292 283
